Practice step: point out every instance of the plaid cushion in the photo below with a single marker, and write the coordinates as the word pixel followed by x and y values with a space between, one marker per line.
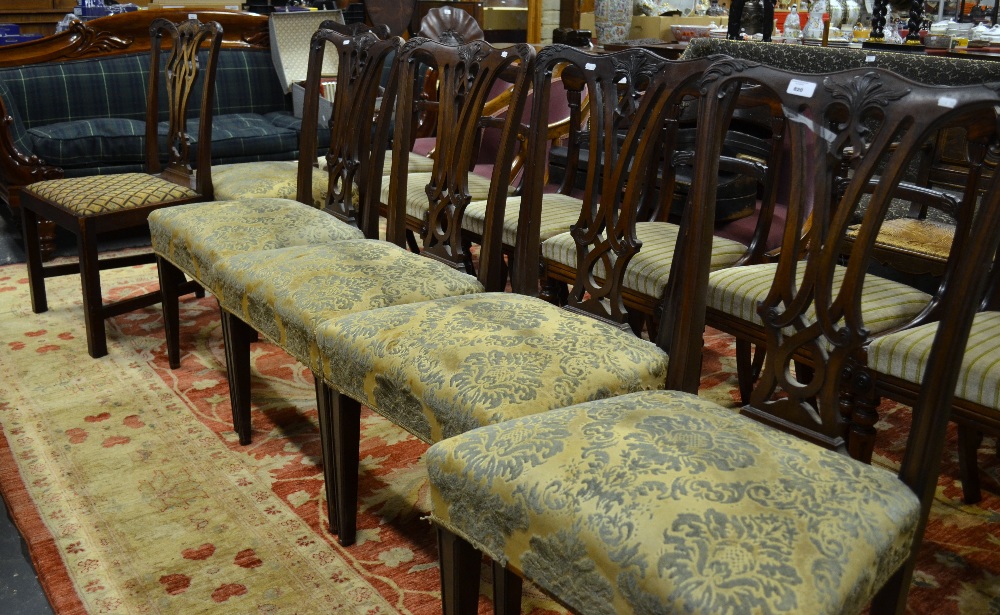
pixel 84 143
pixel 285 119
pixel 245 82
pixel 17 128
pixel 241 135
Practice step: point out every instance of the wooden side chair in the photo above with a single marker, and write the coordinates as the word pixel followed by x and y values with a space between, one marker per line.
pixel 442 367
pixel 91 206
pixel 285 294
pixel 190 239
pixel 278 179
pixel 661 501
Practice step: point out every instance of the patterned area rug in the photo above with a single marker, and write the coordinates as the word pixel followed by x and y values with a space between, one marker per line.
pixel 135 497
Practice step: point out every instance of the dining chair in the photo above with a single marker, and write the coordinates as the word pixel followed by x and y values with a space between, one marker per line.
pixel 92 206
pixel 662 501
pixel 189 240
pixel 284 294
pixel 439 368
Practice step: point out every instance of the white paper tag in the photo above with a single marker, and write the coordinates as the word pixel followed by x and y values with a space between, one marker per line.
pixel 870 59
pixel 446 11
pixel 947 102
pixel 193 16
pixel 590 66
pixel 346 43
pixel 503 54
pixel 801 88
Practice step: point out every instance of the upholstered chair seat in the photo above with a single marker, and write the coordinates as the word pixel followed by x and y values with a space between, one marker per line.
pixel 415 164
pixel 194 237
pixel 443 367
pixel 559 212
pixel 927 238
pixel 649 270
pixel 662 502
pixel 285 294
pixel 904 355
pixel 104 194
pixel 416 192
pixel 274 179
pixel 885 304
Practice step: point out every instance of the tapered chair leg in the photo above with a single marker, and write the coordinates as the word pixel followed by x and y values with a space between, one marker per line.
pixel 324 408
pixel 237 336
pixel 891 599
pixel 506 591
pixel 969 440
pixel 745 368
pixel 33 252
pixel 460 563
pixel 171 279
pixel 93 303
pixel 346 414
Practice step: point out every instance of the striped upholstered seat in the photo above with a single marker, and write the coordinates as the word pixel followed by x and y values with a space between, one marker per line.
pixel 904 355
pixel 415 164
pixel 416 192
pixel 649 270
pixel 558 213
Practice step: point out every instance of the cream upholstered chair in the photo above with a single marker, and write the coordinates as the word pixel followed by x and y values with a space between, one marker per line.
pixel 284 294
pixel 662 502
pixel 90 206
pixel 441 367
pixel 188 240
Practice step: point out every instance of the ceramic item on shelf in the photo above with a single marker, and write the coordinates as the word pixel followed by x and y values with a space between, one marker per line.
pixel 653 8
pixel 793 24
pixel 714 10
pixel 612 20
pixel 836 10
pixel 752 21
pixel 853 12
pixel 814 27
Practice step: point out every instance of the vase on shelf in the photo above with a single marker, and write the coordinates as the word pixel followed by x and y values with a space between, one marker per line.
pixel 612 20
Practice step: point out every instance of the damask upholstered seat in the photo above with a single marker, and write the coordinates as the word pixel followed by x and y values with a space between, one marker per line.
pixel 441 367
pixel 255 210
pixel 682 506
pixel 90 206
pixel 662 502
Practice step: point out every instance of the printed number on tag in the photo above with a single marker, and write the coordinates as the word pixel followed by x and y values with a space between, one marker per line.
pixel 947 101
pixel 801 88
pixel 590 66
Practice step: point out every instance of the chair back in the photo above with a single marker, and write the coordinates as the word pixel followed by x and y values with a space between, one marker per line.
pixel 843 130
pixel 181 69
pixel 361 58
pixel 635 99
pixel 466 76
pixel 451 26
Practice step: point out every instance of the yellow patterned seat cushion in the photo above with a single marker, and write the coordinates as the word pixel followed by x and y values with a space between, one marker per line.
pixel 444 367
pixel 927 238
pixel 102 194
pixel 650 268
pixel 559 212
pixel 904 355
pixel 661 502
pixel 196 236
pixel 415 163
pixel 416 192
pixel 285 294
pixel 884 303
pixel 274 179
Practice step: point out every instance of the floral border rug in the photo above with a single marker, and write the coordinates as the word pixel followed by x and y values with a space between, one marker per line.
pixel 135 497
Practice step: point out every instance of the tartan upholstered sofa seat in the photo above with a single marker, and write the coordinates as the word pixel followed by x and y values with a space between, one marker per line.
pixel 87 116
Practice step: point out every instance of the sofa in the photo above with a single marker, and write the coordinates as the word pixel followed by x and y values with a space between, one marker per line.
pixel 80 110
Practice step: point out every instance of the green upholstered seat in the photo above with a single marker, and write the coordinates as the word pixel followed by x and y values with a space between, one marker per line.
pixel 443 367
pixel 558 213
pixel 416 192
pixel 285 294
pixel 884 303
pixel 102 194
pixel 649 270
pixel 270 179
pixel 661 502
pixel 193 237
pixel 904 355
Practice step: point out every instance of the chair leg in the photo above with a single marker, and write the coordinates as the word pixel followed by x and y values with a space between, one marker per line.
pixel 346 448
pixel 93 303
pixel 746 370
pixel 506 591
pixel 324 408
pixel 460 563
pixel 969 440
pixel 170 280
pixel 33 251
pixel 891 599
pixel 236 335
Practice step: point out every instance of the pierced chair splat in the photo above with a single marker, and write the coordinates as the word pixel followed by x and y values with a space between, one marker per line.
pixel 94 205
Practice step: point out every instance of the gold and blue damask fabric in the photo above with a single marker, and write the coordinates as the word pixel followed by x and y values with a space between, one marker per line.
pixel 102 194
pixel 195 237
pixel 904 355
pixel 273 179
pixel 285 294
pixel 649 271
pixel 661 502
pixel 444 367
